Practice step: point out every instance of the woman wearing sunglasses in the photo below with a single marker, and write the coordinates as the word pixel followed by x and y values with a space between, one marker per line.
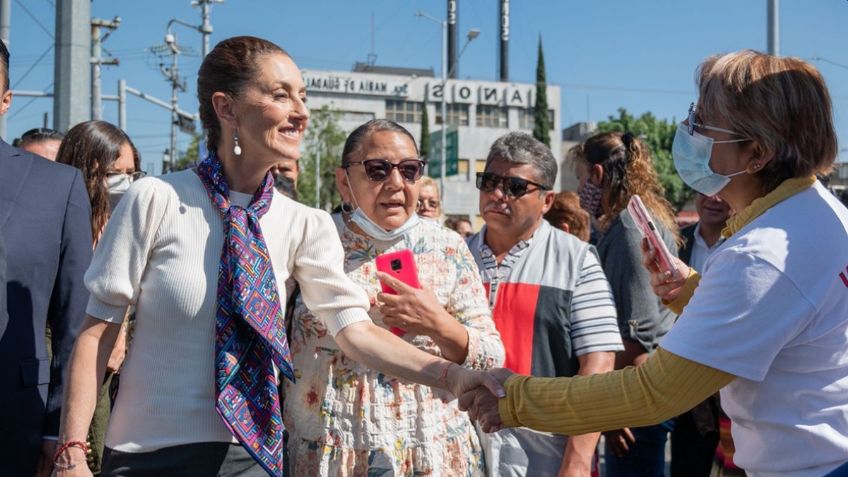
pixel 109 163
pixel 203 256
pixel 346 418
pixel 766 321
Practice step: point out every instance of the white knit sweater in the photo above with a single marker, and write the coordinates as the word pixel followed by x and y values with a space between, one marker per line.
pixel 160 252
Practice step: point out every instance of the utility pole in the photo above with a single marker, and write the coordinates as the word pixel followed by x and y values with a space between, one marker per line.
pixel 5 21
pixel 172 75
pixel 97 61
pixel 205 27
pixel 773 14
pixel 446 73
pixel 72 66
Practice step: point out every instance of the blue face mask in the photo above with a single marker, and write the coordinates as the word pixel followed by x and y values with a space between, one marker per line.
pixel 375 231
pixel 691 153
pixel 379 233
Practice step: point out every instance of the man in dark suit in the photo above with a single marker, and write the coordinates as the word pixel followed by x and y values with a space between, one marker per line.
pixel 696 433
pixel 46 228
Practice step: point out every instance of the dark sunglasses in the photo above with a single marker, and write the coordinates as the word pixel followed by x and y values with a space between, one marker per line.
pixel 512 187
pixel 378 170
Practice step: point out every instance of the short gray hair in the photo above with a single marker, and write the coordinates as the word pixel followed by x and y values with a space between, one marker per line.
pixel 522 148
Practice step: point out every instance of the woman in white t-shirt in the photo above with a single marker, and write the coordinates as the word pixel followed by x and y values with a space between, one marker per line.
pixel 767 321
pixel 203 255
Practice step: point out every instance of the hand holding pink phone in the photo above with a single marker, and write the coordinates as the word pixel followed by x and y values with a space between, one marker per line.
pixel 649 231
pixel 401 265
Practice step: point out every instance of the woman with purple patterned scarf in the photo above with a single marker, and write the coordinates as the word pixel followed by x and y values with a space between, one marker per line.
pixel 203 255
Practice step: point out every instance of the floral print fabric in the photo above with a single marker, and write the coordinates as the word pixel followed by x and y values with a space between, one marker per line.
pixel 345 419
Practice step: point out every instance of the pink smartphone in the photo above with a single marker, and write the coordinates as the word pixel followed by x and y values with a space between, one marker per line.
pixel 649 230
pixel 401 265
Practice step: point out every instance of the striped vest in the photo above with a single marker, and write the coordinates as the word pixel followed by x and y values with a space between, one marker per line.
pixel 532 309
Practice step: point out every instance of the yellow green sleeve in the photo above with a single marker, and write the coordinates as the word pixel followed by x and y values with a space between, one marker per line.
pixel 665 386
pixel 686 293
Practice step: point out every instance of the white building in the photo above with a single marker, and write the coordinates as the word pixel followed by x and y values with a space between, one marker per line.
pixel 481 111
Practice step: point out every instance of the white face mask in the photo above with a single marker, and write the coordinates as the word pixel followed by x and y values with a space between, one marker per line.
pixel 375 231
pixel 117 185
pixel 691 154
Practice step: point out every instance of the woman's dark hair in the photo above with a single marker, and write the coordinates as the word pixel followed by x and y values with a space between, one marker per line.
pixel 36 135
pixel 226 69
pixel 92 147
pixel 628 171
pixel 357 137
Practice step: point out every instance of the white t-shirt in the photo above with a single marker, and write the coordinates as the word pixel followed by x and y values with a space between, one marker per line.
pixel 700 249
pixel 160 252
pixel 772 310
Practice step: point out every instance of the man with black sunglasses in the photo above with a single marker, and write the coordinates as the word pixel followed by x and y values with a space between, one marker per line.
pixel 550 300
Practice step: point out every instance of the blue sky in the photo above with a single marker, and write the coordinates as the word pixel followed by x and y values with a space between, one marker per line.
pixel 604 54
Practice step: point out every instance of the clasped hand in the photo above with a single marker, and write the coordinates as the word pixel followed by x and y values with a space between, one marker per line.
pixel 478 393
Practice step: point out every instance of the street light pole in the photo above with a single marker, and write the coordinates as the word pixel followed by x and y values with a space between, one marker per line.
pixel 444 107
pixel 443 103
pixel 472 34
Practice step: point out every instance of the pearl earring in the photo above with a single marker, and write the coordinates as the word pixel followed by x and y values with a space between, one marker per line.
pixel 236 147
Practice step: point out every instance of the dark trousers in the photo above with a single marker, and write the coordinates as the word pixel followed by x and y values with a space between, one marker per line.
pixel 646 457
pixel 692 453
pixel 205 459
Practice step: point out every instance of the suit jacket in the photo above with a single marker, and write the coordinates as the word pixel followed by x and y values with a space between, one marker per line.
pixel 46 227
pixel 688 234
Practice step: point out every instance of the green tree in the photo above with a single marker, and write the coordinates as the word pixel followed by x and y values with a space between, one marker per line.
pixel 191 156
pixel 322 147
pixel 424 147
pixel 659 135
pixel 542 123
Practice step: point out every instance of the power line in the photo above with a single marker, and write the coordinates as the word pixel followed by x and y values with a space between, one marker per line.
pixel 12 116
pixel 25 9
pixel 825 60
pixel 48 50
pixel 620 89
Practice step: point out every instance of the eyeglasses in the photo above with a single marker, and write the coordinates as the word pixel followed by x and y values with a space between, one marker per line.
pixel 512 187
pixel 693 123
pixel 430 203
pixel 378 170
pixel 134 176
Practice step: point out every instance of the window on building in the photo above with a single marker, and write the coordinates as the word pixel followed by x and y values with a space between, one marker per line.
pixel 463 167
pixel 404 111
pixel 355 116
pixel 457 114
pixel 527 120
pixel 491 116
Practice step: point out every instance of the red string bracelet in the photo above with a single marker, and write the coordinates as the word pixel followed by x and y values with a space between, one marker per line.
pixel 443 378
pixel 67 445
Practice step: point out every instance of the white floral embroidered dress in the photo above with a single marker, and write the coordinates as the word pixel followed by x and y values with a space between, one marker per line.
pixel 345 419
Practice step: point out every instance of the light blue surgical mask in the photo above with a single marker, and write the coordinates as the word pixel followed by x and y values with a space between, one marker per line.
pixel 375 231
pixel 691 153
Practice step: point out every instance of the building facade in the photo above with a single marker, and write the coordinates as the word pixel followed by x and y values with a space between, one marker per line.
pixel 480 112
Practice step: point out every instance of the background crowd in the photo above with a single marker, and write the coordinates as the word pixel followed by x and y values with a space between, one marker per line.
pixel 263 337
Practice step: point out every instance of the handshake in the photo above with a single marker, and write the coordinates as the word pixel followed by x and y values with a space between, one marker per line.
pixel 478 393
